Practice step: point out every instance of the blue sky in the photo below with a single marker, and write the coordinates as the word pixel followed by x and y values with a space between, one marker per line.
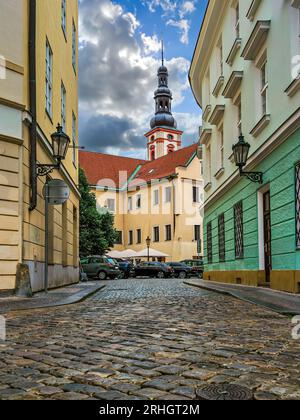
pixel 118 58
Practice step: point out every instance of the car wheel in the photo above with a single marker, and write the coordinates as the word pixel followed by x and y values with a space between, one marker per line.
pixel 161 275
pixel 182 275
pixel 102 275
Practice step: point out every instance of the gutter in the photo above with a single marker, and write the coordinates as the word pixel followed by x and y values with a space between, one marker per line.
pixel 32 99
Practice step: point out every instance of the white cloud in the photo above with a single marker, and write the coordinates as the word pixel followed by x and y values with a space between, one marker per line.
pixel 118 68
pixel 187 8
pixel 184 26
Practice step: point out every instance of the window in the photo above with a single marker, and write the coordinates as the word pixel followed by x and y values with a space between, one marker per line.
pixel 237 20
pixel 298 206
pixel 129 203
pixel 156 197
pixel 63 106
pixel 64 16
pixel 170 137
pixel 49 68
pixel 156 234
pixel 168 194
pixel 130 237
pixel 221 148
pixel 168 232
pixel 111 205
pixel 239 112
pixel 74 46
pixel 139 236
pixel 239 230
pixel 209 243
pixel 138 201
pixel 74 124
pixel 220 57
pixel 196 195
pixel 221 234
pixel 119 237
pixel 208 163
pixel 264 88
pixel 197 233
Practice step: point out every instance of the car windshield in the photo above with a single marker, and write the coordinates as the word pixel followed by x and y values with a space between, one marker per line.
pixel 111 261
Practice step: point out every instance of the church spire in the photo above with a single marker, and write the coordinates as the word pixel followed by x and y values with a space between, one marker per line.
pixel 163 98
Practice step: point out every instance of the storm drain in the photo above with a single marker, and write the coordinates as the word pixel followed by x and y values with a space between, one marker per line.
pixel 224 392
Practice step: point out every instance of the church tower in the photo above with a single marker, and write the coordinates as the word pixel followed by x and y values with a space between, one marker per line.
pixel 164 138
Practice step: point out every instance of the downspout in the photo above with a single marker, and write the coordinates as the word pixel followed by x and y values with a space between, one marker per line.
pixel 32 101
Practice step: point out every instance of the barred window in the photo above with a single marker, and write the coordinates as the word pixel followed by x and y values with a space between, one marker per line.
pixel 239 230
pixel 221 232
pixel 209 243
pixel 298 205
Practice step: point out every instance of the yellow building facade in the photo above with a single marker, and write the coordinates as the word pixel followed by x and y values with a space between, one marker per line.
pixel 38 90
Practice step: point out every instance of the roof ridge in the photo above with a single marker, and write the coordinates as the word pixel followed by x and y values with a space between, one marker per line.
pixel 111 155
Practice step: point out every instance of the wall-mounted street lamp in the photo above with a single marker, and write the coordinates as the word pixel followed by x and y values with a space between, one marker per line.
pixel 241 153
pixel 148 242
pixel 60 146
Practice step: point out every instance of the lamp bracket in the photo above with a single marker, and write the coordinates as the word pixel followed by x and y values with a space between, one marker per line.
pixel 44 169
pixel 253 176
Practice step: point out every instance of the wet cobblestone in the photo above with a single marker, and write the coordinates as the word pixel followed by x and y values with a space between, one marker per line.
pixel 148 339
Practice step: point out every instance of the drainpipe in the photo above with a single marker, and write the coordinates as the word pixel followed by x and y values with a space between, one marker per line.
pixel 32 100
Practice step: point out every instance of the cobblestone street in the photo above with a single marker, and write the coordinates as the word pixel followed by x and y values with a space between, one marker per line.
pixel 148 339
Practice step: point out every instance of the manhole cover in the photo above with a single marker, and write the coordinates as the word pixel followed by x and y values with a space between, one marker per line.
pixel 224 392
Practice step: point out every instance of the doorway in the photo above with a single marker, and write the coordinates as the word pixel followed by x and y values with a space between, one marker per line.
pixel 267 235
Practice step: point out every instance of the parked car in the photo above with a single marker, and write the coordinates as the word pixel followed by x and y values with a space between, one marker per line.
pixel 182 271
pixel 126 267
pixel 153 269
pixel 100 267
pixel 197 267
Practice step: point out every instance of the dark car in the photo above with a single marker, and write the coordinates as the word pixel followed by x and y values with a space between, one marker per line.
pixel 126 267
pixel 153 269
pixel 197 267
pixel 100 267
pixel 182 271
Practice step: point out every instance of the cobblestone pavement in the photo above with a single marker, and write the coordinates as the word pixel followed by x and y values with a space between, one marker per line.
pixel 148 339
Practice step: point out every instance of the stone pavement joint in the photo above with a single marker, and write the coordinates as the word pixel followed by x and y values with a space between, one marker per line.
pixel 280 302
pixel 148 339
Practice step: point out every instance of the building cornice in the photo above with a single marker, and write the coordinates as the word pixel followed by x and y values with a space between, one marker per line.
pixel 282 133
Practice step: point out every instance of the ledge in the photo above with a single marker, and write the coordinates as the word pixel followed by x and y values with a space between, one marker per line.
pixel 261 125
pixel 220 173
pixel 218 86
pixel 231 158
pixel 293 88
pixel 206 112
pixel 208 186
pixel 205 136
pixel 253 9
pixel 233 84
pixel 256 39
pixel 217 114
pixel 234 50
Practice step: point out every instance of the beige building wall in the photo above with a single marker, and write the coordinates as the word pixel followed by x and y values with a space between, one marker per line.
pixel 181 213
pixel 21 230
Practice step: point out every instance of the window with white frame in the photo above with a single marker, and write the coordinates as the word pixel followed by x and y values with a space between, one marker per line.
pixel 168 232
pixel 156 197
pixel 74 135
pixel 64 16
pixel 63 106
pixel 129 203
pixel 74 46
pixel 111 205
pixel 130 237
pixel 168 194
pixel 156 234
pixel 49 68
pixel 207 88
pixel 264 87
pixel 138 201
pixel 139 236
pixel 196 194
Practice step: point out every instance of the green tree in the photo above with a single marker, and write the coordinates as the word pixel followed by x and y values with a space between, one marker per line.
pixel 97 233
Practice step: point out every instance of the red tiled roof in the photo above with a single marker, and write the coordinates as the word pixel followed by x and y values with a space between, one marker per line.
pixel 98 166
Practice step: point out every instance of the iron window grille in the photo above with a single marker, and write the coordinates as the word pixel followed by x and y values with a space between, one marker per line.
pixel 298 206
pixel 221 232
pixel 239 230
pixel 209 243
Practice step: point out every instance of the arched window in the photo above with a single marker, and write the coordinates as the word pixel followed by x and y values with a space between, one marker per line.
pixel 152 152
pixel 170 137
pixel 171 148
pixel 152 138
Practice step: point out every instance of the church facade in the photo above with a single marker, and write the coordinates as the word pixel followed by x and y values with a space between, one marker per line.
pixel 160 198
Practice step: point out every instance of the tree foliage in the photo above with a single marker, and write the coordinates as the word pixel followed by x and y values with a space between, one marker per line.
pixel 97 233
